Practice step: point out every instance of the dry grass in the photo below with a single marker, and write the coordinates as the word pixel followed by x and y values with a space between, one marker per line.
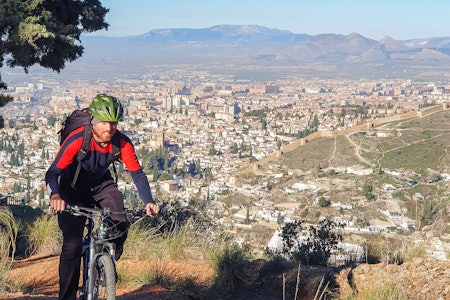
pixel 390 250
pixel 44 236
pixel 9 229
pixel 170 259
pixel 389 289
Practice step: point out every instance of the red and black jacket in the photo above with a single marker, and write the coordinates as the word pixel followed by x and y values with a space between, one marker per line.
pixel 95 166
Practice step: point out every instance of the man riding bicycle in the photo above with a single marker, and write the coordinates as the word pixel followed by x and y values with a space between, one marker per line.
pixel 94 186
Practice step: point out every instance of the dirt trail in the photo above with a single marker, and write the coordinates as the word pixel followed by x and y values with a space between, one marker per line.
pixel 358 154
pixel 37 278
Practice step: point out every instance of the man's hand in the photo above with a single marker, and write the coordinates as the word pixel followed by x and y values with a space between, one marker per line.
pixel 56 203
pixel 152 209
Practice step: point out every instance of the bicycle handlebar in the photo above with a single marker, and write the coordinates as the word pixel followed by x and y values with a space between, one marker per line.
pixel 104 212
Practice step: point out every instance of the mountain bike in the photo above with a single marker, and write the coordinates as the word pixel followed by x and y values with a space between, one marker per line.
pixel 99 276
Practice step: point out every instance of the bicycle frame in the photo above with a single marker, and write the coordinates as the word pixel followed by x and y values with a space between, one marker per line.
pixel 96 244
pixel 92 252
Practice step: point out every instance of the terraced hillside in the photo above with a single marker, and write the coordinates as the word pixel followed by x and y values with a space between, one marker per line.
pixel 391 178
pixel 415 144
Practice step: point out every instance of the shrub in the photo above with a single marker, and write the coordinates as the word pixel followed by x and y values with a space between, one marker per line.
pixel 226 266
pixel 323 202
pixel 315 247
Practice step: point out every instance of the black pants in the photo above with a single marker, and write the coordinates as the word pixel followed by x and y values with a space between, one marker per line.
pixel 103 195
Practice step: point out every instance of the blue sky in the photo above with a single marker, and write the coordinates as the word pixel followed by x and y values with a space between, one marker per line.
pixel 399 19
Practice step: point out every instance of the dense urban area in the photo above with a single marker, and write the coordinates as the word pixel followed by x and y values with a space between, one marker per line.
pixel 203 132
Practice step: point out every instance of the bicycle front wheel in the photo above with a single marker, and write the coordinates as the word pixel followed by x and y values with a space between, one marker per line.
pixel 105 278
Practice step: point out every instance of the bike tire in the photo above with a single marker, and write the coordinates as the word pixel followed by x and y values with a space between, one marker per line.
pixel 105 278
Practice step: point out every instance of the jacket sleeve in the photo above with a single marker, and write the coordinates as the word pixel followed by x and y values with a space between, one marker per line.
pixel 142 185
pixel 130 160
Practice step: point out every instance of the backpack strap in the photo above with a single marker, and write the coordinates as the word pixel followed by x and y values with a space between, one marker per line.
pixel 87 135
pixel 116 146
pixel 116 152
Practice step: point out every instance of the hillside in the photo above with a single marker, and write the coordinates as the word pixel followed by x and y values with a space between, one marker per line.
pixel 416 144
pixel 418 279
pixel 391 178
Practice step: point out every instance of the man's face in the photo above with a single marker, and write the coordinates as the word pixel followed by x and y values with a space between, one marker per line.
pixel 104 131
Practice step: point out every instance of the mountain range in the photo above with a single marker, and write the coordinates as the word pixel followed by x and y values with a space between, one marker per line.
pixel 253 45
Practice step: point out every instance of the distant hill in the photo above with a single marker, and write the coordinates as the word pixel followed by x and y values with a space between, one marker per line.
pixel 253 45
pixel 424 145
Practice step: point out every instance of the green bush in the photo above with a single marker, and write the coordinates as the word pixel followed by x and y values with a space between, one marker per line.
pixel 367 190
pixel 323 202
pixel 315 247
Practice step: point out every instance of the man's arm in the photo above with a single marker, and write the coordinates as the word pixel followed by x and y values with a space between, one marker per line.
pixel 128 157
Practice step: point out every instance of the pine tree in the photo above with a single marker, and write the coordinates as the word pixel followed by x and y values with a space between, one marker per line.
pixel 46 33
pixel 166 160
pixel 155 173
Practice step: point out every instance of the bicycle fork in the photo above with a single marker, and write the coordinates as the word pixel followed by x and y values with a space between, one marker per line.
pixel 91 268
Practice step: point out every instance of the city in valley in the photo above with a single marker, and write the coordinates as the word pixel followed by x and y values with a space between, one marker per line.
pixel 219 126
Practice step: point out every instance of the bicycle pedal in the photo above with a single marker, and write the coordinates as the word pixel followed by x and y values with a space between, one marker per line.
pixel 81 297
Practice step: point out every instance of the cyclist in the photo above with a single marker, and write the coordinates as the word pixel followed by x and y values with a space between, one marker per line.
pixel 94 186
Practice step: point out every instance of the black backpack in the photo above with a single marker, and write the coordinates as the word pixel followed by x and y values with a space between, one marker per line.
pixel 78 118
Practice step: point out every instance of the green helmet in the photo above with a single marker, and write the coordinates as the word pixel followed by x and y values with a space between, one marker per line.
pixel 106 108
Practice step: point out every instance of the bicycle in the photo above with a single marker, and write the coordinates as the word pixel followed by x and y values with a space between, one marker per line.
pixel 99 275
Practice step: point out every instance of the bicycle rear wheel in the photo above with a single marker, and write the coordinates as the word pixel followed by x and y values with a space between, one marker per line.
pixel 105 278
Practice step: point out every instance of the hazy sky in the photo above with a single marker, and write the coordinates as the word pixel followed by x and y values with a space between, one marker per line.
pixel 399 19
